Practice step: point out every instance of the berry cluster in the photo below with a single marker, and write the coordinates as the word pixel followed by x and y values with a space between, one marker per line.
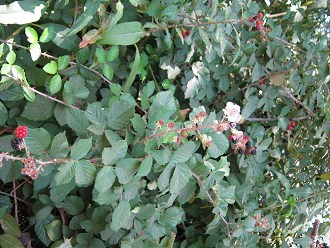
pixel 291 126
pixel 258 20
pixel 17 144
pixel 185 33
pixel 21 132
pixel 242 144
pixel 263 222
pixel 30 168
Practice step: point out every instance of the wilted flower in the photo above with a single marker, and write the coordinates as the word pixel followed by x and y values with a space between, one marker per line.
pixel 171 124
pixel 206 140
pixel 232 112
pixel 220 126
pixel 160 123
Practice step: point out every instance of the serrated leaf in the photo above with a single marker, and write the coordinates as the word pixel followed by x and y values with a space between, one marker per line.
pixel 172 216
pixel 9 225
pixel 55 84
pixel 21 12
pixel 85 173
pixel 120 114
pixel 38 140
pixel 77 120
pixel 105 179
pixel 40 230
pixel 125 170
pixel 219 145
pixel 100 55
pixel 257 72
pixel 11 57
pixel 145 167
pixel 83 20
pixel 28 94
pixel 10 171
pixel 180 178
pixel 40 110
pixel 59 147
pixel 127 33
pixel 80 148
pixel 122 217
pixel 50 67
pixel 65 173
pixel 63 62
pixel 54 230
pixel 45 37
pixel 113 53
pixel 116 89
pixel 31 35
pixel 183 153
pixel 35 51
pixel 73 205
pixel 118 151
pixel 107 71
pixel 3 114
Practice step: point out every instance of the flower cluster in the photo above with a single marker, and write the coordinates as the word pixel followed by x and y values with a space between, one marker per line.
pixel 30 168
pixel 232 113
pixel 263 222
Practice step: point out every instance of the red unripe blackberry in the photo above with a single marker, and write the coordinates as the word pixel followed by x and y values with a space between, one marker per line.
pixel 292 123
pixel 289 127
pixel 231 136
pixel 187 32
pixel 260 15
pixel 247 152
pixel 21 132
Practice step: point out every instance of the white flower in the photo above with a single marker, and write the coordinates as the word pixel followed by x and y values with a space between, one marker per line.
pixel 232 112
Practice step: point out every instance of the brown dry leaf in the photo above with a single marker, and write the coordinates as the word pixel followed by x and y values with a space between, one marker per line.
pixel 277 79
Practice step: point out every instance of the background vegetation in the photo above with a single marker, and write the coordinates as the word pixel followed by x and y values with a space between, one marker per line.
pixel 121 100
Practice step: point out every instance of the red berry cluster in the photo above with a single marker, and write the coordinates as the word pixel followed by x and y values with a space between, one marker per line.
pixel 263 222
pixel 291 126
pixel 242 145
pixel 258 20
pixel 185 33
pixel 21 132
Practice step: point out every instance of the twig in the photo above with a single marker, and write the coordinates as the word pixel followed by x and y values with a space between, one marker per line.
pixel 275 119
pixel 291 96
pixel 38 92
pixel 211 200
pixel 276 15
pixel 15 202
pixel 5 130
pixel 315 233
pixel 19 199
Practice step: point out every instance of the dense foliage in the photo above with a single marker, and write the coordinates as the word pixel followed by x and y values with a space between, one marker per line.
pixel 140 123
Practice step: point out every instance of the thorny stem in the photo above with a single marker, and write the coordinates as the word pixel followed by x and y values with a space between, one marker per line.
pixel 275 119
pixel 212 201
pixel 15 202
pixel 39 93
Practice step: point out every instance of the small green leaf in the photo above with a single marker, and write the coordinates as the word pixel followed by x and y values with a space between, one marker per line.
pixel 105 179
pixel 116 89
pixel 35 51
pixel 65 173
pixel 180 178
pixel 55 84
pixel 172 216
pixel 133 72
pixel 81 148
pixel 73 205
pixel 122 217
pixel 63 62
pixel 120 114
pixel 113 53
pixel 54 230
pixel 85 173
pixel 83 55
pixel 183 153
pixel 219 145
pixel 145 167
pixel 29 95
pixel 50 68
pixel 100 55
pixel 77 120
pixel 107 71
pixel 111 155
pixel 45 37
pixel 125 170
pixel 96 114
pixel 11 57
pixel 31 34
pixel 59 147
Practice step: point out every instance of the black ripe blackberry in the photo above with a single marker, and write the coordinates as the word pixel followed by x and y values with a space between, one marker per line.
pixel 248 145
pixel 254 152
pixel 16 143
pixel 240 151
pixel 234 140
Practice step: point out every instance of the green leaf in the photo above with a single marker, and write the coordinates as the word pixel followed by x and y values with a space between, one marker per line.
pixel 96 114
pixel 145 167
pixel 21 12
pixel 120 114
pixel 35 51
pixel 80 148
pixel 77 120
pixel 54 230
pixel 59 147
pixel 125 170
pixel 83 20
pixel 303 191
pixel 55 84
pixel 183 153
pixel 122 217
pixel 180 178
pixel 9 240
pixel 106 197
pixel 9 225
pixel 65 173
pixel 3 114
pixel 38 140
pixel 118 151
pixel 107 71
pixel 116 89
pixel 172 216
pixel 85 173
pixel 83 55
pixel 28 94
pixel 100 55
pixel 50 67
pixel 133 72
pixel 105 179
pixel 113 53
pixel 162 108
pixel 257 72
pixel 31 35
pixel 45 36
pixel 10 171
pixel 164 178
pixel 41 232
pixel 73 205
pixel 63 62
pixel 127 33
pixel 39 110
pixel 219 146
pixel 11 57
